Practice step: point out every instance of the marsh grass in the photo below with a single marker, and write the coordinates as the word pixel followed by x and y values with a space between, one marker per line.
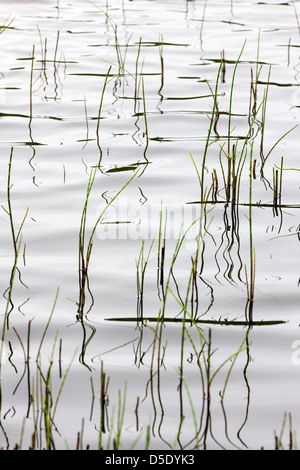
pixel 233 153
pixel 42 403
pixel 141 266
pixel 187 297
pixel 16 236
pixel 104 382
pixel 99 115
pixel 291 439
pixel 250 283
pixel 85 248
pixel 196 334
pixel 38 428
pixel 199 345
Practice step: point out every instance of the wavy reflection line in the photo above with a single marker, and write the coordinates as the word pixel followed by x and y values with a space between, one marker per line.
pixel 16 240
pixel 248 388
pixel 157 357
pixel 197 274
pixel 30 110
pixel 232 237
pixel 152 374
pixel 162 75
pixel 85 339
pixel 10 356
pixel 5 435
pixel 226 426
pixel 160 359
pixel 24 354
pixel 222 395
pixel 55 68
pixel 223 237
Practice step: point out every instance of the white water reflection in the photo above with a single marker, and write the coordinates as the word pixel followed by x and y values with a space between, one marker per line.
pixel 55 57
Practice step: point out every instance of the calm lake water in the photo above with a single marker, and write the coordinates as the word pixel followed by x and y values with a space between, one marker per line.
pixel 163 93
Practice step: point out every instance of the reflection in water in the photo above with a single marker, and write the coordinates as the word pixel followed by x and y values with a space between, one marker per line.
pixel 17 242
pixel 43 84
pixel 202 24
pixel 30 112
pixel 86 338
pixel 57 62
pixel 230 241
pixel 55 69
pixel 176 367
pixel 199 358
pixel 162 75
pixel 248 359
pixel 157 352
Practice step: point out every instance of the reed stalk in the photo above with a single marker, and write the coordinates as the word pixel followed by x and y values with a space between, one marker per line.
pixel 210 129
pixel 99 115
pixel 86 251
pixel 146 122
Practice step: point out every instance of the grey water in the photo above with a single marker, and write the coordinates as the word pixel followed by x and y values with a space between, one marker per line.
pixel 119 87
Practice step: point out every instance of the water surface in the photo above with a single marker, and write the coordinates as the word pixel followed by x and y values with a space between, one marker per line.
pixel 159 61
